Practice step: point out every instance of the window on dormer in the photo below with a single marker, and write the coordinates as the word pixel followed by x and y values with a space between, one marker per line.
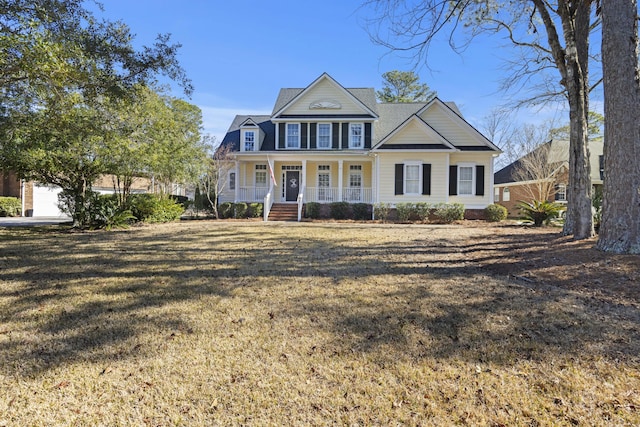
pixel 356 135
pixel 324 135
pixel 249 140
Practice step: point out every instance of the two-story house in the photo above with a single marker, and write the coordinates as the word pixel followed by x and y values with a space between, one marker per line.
pixel 327 143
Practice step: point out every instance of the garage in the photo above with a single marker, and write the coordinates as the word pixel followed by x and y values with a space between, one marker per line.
pixel 45 200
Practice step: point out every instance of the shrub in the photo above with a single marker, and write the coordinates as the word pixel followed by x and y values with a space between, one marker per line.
pixel 225 210
pixel 539 211
pixel 255 210
pixel 312 210
pixel 422 211
pixel 449 212
pixel 107 214
pixel 495 213
pixel 404 211
pixel 381 211
pixel 183 200
pixel 152 208
pixel 10 206
pixel 361 211
pixel 339 210
pixel 240 210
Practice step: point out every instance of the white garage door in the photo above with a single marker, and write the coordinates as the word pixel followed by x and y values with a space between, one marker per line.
pixel 45 201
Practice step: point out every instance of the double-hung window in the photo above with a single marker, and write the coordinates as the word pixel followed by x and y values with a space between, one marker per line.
pixel 293 135
pixel 356 135
pixel 324 182
pixel 249 140
pixel 232 180
pixel 412 178
pixel 261 175
pixel 324 135
pixel 465 180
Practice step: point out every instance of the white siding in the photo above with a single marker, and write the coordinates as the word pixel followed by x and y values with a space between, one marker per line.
pixel 486 160
pixel 412 133
pixel 325 90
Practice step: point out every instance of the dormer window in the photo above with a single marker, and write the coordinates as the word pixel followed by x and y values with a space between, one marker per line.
pixel 249 140
pixel 356 135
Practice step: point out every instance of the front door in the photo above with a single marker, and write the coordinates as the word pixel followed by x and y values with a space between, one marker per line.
pixel 292 179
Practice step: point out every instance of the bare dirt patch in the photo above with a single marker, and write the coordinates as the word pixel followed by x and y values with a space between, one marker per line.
pixel 205 323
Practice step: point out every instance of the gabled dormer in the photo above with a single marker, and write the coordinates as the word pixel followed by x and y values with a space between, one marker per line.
pixel 251 136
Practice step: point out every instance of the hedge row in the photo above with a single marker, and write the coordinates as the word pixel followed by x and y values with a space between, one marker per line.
pixel 10 206
pixel 338 210
pixel 240 210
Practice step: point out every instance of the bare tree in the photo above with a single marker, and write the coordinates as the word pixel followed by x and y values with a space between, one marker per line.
pixel 539 170
pixel 620 228
pixel 216 178
pixel 547 34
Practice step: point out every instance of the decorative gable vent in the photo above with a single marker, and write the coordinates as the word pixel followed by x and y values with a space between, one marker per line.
pixel 325 104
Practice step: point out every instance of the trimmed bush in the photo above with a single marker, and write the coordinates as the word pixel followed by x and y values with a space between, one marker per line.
pixel 340 210
pixel 448 212
pixel 225 210
pixel 381 211
pixel 10 206
pixel 240 210
pixel 152 208
pixel 404 211
pixel 255 210
pixel 422 211
pixel 312 210
pixel 495 213
pixel 361 211
pixel 183 200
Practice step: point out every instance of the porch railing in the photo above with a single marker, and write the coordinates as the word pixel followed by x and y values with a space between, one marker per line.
pixel 252 194
pixel 332 194
pixel 268 203
pixel 300 203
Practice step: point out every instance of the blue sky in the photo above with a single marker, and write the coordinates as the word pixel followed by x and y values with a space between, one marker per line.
pixel 239 53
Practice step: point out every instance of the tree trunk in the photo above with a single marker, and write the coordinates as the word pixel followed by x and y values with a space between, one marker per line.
pixel 579 219
pixel 620 228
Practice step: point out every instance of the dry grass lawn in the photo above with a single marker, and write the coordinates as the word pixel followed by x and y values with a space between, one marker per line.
pixel 228 323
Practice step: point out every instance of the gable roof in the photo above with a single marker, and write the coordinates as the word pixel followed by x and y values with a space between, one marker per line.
pixel 440 143
pixel 365 97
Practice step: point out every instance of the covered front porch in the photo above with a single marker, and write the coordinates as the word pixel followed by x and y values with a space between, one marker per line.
pixel 318 180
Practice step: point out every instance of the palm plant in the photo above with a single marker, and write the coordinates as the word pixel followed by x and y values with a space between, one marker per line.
pixel 539 211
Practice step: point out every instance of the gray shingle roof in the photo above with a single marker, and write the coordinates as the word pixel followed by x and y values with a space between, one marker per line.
pixel 392 116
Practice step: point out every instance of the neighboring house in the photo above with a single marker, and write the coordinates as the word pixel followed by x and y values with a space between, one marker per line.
pixel 41 200
pixel 327 143
pixel 548 167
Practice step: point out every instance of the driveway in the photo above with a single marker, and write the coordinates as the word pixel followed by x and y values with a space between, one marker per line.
pixel 32 221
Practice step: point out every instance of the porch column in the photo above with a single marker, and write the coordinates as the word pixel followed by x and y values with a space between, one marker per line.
pixel 374 180
pixel 303 178
pixel 340 162
pixel 237 186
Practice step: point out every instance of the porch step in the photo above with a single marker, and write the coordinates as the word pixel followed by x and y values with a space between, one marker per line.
pixel 283 212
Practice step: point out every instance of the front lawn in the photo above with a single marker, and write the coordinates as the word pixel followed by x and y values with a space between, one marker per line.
pixel 214 323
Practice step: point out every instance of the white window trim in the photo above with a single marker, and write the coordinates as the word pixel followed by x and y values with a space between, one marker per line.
pixel 562 189
pixel 496 194
pixel 286 135
pixel 318 136
pixel 506 194
pixel 244 139
pixel 473 178
pixel 351 146
pixel 234 180
pixel 255 176
pixel 404 178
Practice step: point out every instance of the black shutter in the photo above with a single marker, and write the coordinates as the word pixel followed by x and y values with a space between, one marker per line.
pixel 281 135
pixel 399 178
pixel 557 195
pixel 314 138
pixel 453 180
pixel 601 161
pixel 335 135
pixel 345 135
pixel 367 135
pixel 426 179
pixel 479 180
pixel 303 135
